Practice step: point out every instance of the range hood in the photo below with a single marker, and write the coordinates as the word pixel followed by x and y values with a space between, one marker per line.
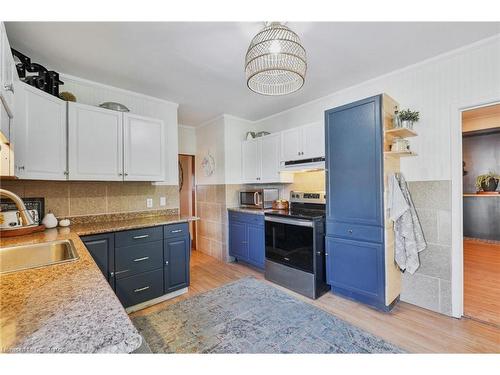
pixel 304 165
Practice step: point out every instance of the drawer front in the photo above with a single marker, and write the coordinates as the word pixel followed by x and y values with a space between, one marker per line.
pixel 176 230
pixel 139 288
pixel 138 236
pixel 355 231
pixel 139 258
pixel 256 219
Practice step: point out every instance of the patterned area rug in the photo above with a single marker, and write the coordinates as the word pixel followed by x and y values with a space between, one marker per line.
pixel 250 316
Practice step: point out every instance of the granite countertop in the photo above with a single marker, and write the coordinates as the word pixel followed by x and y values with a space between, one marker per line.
pixel 68 307
pixel 84 229
pixel 255 211
pixel 64 308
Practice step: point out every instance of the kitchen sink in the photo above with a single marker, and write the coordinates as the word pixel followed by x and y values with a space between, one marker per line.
pixel 23 257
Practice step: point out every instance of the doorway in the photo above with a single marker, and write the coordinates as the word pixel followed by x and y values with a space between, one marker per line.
pixel 187 196
pixel 481 213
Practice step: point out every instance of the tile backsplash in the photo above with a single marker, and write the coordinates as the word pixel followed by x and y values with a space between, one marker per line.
pixel 77 198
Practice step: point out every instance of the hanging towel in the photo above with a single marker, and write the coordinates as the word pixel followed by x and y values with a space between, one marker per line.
pixel 408 236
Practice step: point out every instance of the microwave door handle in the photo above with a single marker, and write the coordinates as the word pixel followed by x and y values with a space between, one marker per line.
pixel 256 198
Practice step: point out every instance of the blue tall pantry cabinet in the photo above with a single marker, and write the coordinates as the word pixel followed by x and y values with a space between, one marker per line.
pixel 359 240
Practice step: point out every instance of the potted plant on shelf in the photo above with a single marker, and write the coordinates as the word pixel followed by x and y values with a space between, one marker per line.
pixel 487 182
pixel 407 117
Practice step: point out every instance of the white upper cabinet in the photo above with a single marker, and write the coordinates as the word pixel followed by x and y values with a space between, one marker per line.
pixel 251 160
pixel 7 72
pixel 291 144
pixel 261 160
pixel 143 148
pixel 304 142
pixel 270 158
pixel 95 143
pixel 313 136
pixel 39 135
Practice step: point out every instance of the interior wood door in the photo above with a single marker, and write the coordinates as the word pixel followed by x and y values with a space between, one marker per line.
pixel 40 135
pixel 143 148
pixel 313 140
pixel 251 159
pixel 291 144
pixel 270 158
pixel 95 148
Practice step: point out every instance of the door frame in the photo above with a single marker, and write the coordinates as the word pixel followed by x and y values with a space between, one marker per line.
pixel 457 250
pixel 193 197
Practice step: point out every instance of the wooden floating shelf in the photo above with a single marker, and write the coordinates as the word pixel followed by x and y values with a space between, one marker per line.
pixel 400 154
pixel 400 133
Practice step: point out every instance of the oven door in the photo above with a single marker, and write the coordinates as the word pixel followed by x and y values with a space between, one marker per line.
pixel 250 199
pixel 290 242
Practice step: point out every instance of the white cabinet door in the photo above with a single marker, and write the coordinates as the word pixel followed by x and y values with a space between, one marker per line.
pixel 95 143
pixel 291 144
pixel 270 158
pixel 40 135
pixel 313 136
pixel 143 148
pixel 251 159
pixel 7 72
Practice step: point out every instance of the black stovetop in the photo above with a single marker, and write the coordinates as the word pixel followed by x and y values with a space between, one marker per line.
pixel 306 211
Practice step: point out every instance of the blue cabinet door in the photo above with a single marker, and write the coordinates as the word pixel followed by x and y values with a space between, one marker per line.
pixel 354 163
pixel 354 223
pixel 102 249
pixel 256 245
pixel 238 243
pixel 176 253
pixel 355 269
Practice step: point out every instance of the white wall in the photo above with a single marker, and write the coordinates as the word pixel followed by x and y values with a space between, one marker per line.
pixel 210 140
pixel 235 131
pixel 187 140
pixel 93 93
pixel 432 87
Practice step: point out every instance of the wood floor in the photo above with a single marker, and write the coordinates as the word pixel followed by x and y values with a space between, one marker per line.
pixel 482 281
pixel 412 328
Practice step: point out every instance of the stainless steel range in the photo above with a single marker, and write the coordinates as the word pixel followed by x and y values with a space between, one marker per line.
pixel 295 243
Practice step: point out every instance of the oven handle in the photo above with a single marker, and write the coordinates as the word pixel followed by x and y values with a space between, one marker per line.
pixel 283 220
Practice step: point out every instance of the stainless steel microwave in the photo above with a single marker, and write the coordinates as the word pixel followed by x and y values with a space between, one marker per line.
pixel 258 198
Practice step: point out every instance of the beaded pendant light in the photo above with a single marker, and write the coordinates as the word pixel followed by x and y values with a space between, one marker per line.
pixel 275 62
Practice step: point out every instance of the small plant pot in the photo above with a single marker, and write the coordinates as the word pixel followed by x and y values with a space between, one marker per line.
pixel 490 186
pixel 407 124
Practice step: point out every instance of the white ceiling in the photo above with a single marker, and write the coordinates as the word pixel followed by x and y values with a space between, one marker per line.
pixel 200 64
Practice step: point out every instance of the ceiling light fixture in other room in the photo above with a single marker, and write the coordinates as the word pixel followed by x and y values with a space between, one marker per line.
pixel 275 63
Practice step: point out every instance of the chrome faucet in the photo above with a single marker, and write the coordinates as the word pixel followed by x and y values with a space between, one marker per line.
pixel 26 218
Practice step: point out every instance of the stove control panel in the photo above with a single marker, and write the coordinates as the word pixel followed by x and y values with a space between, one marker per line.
pixel 308 197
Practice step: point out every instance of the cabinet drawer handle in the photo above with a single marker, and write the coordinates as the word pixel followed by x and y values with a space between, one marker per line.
pixel 176 231
pixel 141 259
pixel 119 272
pixel 141 289
pixel 140 237
pixel 287 259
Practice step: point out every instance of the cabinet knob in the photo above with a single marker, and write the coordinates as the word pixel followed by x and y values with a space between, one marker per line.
pixel 21 168
pixel 120 174
pixel 166 262
pixel 125 174
pixel 350 231
pixel 66 173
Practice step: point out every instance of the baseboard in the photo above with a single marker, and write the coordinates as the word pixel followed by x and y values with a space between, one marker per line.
pixel 154 301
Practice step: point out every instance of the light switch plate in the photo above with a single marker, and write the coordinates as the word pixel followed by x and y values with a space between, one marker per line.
pixel 149 202
pixel 163 201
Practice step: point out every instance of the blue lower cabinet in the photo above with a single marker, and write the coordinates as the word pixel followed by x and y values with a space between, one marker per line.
pixel 176 255
pixel 256 245
pixel 102 249
pixel 143 264
pixel 140 288
pixel 246 238
pixel 354 269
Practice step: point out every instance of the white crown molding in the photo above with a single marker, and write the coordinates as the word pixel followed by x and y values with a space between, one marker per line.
pixel 88 82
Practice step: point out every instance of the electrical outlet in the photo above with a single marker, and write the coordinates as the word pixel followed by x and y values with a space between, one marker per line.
pixel 163 201
pixel 149 202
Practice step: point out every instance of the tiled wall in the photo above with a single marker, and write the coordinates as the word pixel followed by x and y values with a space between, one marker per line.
pixel 212 227
pixel 430 285
pixel 71 198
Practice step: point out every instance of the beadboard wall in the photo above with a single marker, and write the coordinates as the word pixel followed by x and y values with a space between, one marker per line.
pixel 94 93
